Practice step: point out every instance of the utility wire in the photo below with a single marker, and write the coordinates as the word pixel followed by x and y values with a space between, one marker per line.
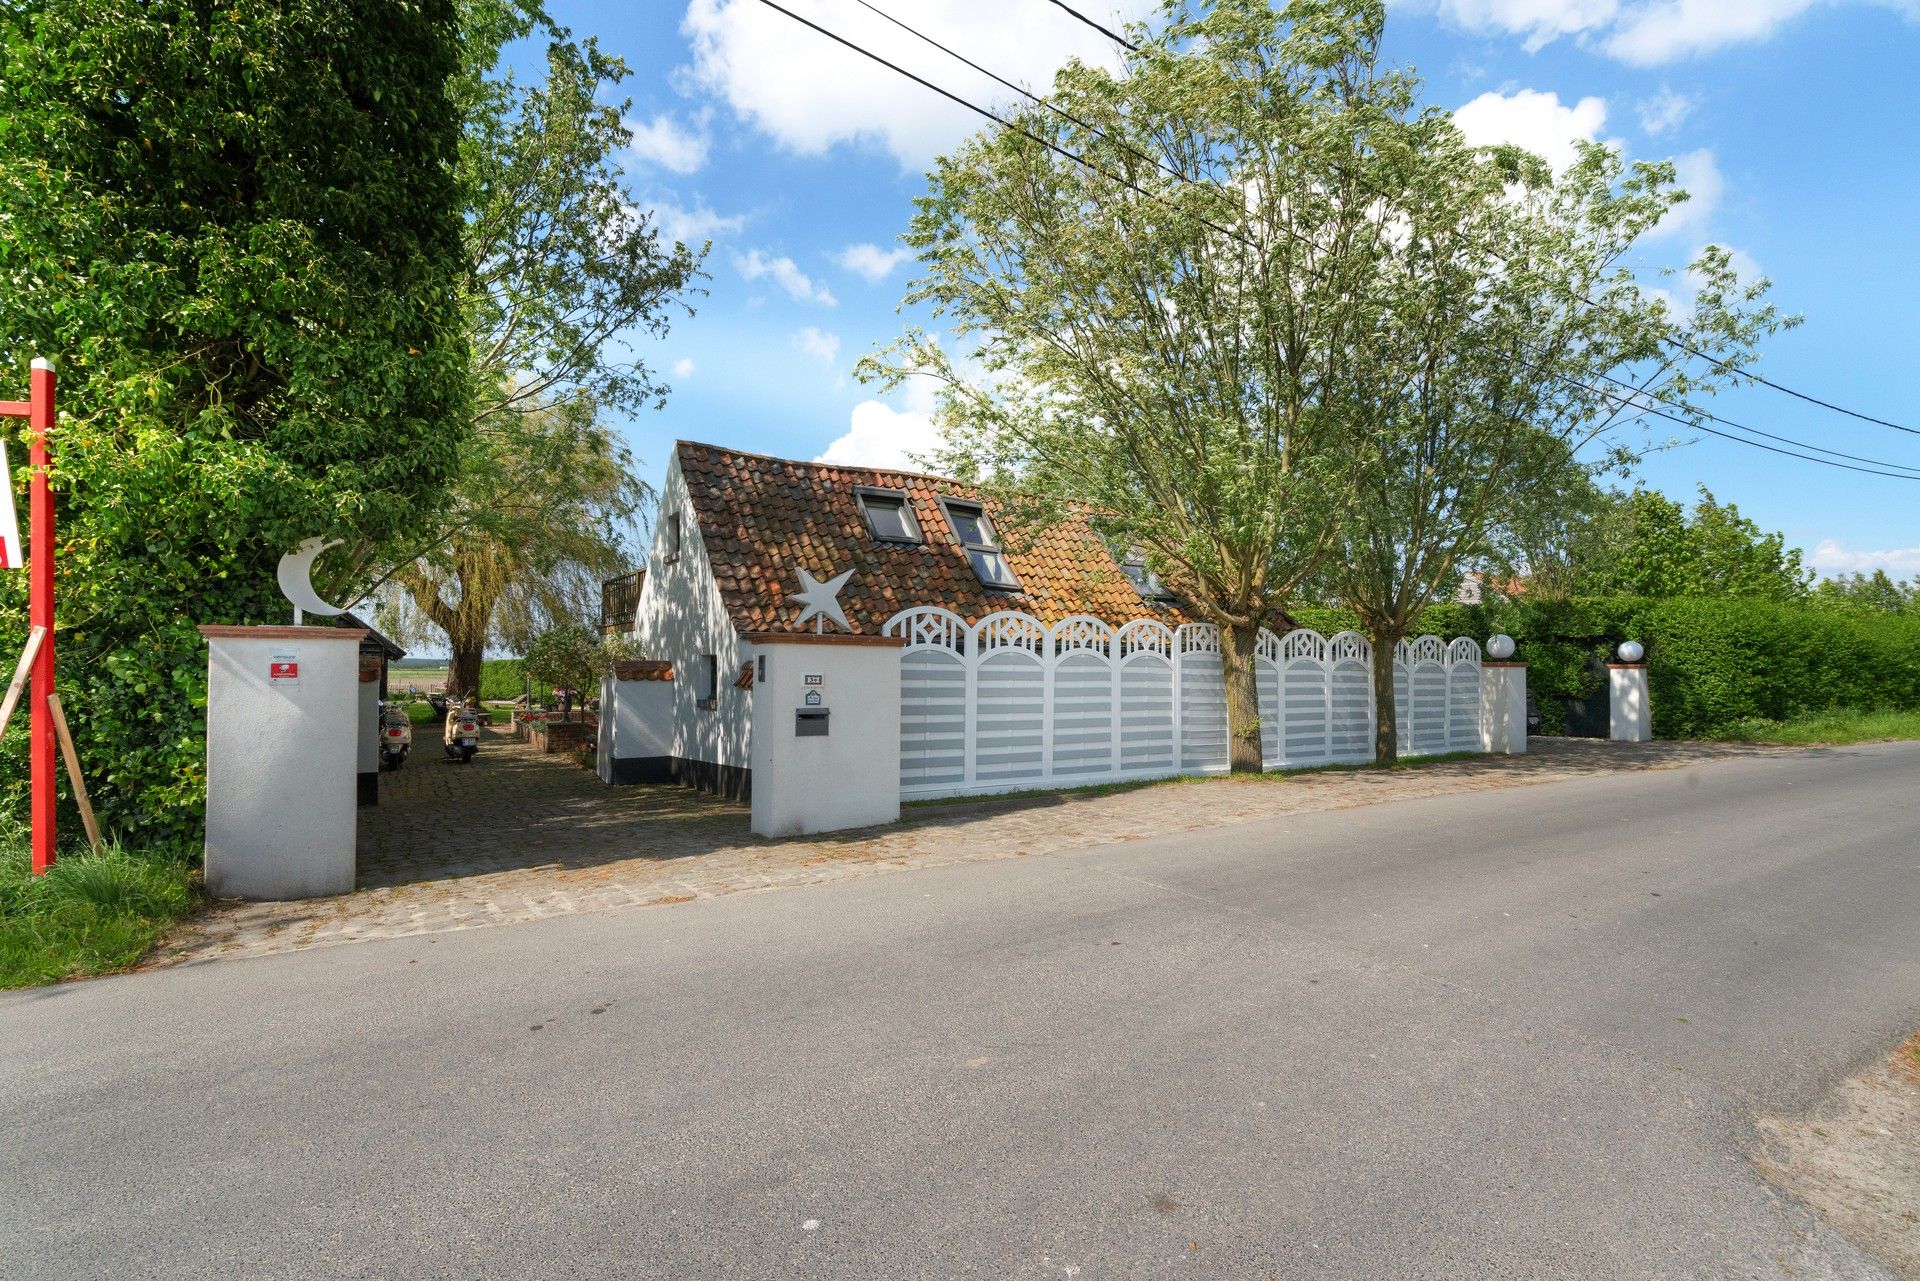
pixel 998 119
pixel 1071 156
pixel 1676 343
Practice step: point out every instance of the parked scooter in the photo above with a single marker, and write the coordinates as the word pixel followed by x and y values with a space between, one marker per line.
pixel 462 737
pixel 396 736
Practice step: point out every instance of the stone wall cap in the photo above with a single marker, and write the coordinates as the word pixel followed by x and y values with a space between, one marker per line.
pixel 1503 662
pixel 230 631
pixel 823 638
pixel 1627 666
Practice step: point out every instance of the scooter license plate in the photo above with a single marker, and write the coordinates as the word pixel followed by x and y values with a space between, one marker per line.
pixel 469 742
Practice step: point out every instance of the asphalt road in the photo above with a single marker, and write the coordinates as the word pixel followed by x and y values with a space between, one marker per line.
pixel 1518 1033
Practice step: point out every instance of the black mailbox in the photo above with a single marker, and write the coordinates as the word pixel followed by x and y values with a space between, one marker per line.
pixel 810 722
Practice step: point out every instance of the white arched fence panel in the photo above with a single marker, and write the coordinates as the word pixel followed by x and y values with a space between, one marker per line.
pixel 1464 676
pixel 1010 702
pixel 1143 652
pixel 1202 718
pixel 1083 700
pixel 1268 685
pixel 934 699
pixel 1010 699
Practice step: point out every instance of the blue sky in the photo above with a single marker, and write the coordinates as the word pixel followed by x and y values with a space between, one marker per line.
pixel 1793 123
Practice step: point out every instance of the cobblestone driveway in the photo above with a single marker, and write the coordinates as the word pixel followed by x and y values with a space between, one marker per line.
pixel 517 836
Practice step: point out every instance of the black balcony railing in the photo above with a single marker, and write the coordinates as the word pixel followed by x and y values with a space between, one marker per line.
pixel 619 599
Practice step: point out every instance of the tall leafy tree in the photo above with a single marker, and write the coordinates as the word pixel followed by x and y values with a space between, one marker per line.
pixel 236 228
pixel 1165 333
pixel 565 274
pixel 1516 349
pixel 1656 547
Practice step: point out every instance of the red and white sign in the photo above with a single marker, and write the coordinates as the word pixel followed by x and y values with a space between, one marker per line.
pixel 284 669
pixel 11 556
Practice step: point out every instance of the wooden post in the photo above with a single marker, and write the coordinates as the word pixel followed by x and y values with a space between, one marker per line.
pixel 34 640
pixel 73 771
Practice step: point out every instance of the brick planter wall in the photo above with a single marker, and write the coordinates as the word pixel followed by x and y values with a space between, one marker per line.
pixel 557 736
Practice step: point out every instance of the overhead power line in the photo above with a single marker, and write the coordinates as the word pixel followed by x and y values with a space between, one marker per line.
pixel 1676 343
pixel 1876 465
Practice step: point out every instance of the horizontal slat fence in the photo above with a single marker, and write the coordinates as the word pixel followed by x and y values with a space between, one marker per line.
pixel 1010 703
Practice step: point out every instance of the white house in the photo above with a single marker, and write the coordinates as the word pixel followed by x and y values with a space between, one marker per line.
pixel 734 528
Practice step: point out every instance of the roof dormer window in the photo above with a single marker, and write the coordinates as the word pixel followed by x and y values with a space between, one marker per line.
pixel 1145 581
pixel 889 515
pixel 977 535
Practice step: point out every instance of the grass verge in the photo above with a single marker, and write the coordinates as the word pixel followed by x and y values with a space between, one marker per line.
pixel 90 914
pixel 1836 727
pixel 1135 784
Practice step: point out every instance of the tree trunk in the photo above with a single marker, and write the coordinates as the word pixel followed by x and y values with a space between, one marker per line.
pixel 1237 645
pixel 463 670
pixel 1386 725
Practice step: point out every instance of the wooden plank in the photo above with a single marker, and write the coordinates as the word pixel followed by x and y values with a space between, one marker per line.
pixel 73 771
pixel 20 674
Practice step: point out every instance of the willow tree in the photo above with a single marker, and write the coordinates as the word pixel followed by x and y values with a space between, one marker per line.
pixel 566 273
pixel 1162 285
pixel 1515 350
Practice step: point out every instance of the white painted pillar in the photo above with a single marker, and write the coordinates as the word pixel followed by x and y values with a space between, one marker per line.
pixel 826 732
pixel 1503 708
pixel 283 721
pixel 1630 715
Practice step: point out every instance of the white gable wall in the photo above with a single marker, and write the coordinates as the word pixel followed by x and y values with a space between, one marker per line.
pixel 681 618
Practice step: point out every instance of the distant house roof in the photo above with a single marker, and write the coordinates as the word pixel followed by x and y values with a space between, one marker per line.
pixel 764 518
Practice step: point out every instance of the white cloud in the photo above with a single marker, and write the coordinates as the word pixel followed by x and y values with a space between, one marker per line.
pixel 1534 120
pixel 1643 32
pixel 812 341
pixel 878 435
pixel 1540 21
pixel 811 94
pixel 1832 556
pixel 1665 111
pixel 665 142
pixel 871 261
pixel 1700 178
pixel 692 226
pixel 1664 30
pixel 683 367
pixel 785 273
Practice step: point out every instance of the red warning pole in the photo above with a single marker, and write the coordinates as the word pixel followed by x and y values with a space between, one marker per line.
pixel 41 745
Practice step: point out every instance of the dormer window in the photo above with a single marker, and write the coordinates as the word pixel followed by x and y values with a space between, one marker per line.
pixel 976 534
pixel 1145 581
pixel 889 515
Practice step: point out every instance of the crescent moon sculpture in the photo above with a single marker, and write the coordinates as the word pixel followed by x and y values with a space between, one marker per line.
pixel 296 579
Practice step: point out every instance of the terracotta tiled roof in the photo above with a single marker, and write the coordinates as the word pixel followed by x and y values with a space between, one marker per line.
pixel 644 669
pixel 764 518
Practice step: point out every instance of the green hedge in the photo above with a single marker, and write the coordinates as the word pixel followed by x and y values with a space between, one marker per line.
pixel 1712 661
pixel 501 678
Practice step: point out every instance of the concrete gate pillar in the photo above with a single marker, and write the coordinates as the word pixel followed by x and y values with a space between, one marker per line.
pixel 826 732
pixel 1503 708
pixel 1630 712
pixel 283 721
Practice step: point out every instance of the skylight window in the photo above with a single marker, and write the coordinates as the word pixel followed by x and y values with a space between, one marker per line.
pixel 888 514
pixel 1145 581
pixel 976 534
